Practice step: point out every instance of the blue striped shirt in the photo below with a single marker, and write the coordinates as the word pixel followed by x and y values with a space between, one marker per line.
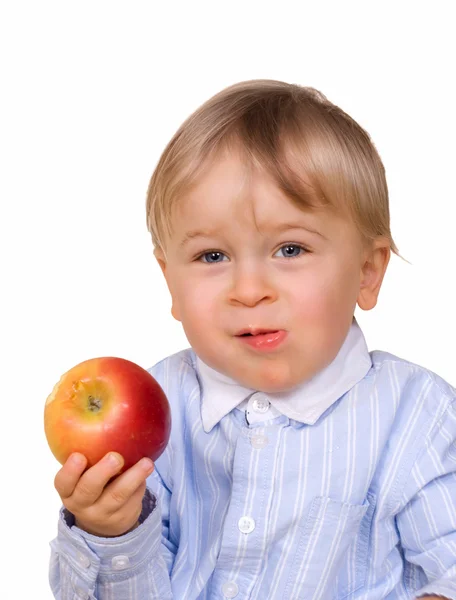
pixel 345 488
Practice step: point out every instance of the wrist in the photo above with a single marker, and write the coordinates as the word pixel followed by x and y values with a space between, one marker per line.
pixel 132 528
pixel 104 534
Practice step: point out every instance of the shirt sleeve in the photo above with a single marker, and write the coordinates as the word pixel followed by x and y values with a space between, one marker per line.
pixel 134 566
pixel 427 522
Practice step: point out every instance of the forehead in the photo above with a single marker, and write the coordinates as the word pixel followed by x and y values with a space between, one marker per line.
pixel 239 190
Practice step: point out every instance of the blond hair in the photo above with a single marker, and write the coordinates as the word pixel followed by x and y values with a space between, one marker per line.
pixel 316 153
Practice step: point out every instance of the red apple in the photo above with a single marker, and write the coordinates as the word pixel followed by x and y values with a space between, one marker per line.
pixel 107 404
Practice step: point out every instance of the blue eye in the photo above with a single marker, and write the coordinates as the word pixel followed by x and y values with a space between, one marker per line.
pixel 212 255
pixel 290 250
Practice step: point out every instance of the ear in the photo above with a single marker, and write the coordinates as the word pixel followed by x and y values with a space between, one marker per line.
pixel 161 259
pixel 373 270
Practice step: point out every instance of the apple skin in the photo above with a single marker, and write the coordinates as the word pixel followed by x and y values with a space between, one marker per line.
pixel 107 404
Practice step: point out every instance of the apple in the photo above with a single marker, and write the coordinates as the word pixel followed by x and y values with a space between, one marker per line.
pixel 107 404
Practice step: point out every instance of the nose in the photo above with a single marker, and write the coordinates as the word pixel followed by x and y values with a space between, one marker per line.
pixel 251 286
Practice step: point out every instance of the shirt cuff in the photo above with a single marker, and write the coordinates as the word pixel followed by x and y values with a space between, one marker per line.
pixel 119 557
pixel 447 589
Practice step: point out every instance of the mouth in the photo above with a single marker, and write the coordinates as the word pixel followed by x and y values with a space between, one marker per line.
pixel 254 332
pixel 263 340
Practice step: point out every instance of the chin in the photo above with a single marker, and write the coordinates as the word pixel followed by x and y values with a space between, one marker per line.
pixel 273 379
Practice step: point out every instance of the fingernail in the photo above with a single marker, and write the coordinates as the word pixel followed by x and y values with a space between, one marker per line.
pixel 113 460
pixel 77 459
pixel 147 464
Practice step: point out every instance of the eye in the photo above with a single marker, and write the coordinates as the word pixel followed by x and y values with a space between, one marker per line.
pixel 212 256
pixel 292 250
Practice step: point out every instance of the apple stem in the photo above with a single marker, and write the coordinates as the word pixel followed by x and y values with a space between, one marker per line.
pixel 94 404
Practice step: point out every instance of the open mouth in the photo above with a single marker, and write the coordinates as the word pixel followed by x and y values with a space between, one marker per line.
pixel 263 341
pixel 254 335
pixel 264 332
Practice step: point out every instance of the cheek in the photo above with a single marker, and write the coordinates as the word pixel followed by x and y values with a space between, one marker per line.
pixel 197 303
pixel 326 292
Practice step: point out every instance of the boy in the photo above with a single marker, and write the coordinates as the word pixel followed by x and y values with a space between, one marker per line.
pixel 300 465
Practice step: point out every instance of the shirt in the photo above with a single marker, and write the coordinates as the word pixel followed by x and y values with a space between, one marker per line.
pixel 343 488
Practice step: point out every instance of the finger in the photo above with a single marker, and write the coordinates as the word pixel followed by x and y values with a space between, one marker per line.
pixel 91 484
pixel 128 515
pixel 118 492
pixel 67 478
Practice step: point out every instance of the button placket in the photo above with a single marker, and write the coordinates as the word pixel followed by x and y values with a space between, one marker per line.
pixel 245 521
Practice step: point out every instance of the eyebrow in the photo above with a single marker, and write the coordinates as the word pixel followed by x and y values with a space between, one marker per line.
pixel 196 233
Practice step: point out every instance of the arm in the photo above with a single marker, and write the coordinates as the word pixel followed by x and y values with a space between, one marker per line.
pixel 427 521
pixel 135 565
pixel 129 566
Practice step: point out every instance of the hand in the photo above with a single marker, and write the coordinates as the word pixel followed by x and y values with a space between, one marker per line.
pixel 102 507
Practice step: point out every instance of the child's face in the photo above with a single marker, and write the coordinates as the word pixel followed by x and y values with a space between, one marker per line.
pixel 254 281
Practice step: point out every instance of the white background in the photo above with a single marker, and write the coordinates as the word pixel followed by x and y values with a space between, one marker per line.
pixel 90 94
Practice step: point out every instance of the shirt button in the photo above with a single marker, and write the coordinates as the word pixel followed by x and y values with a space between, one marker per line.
pixel 230 589
pixel 120 562
pixel 83 560
pixel 246 525
pixel 259 441
pixel 80 593
pixel 260 405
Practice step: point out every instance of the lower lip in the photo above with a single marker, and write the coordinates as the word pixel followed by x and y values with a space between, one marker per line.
pixel 264 342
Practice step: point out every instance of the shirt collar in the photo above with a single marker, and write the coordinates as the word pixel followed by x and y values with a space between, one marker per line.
pixel 305 403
